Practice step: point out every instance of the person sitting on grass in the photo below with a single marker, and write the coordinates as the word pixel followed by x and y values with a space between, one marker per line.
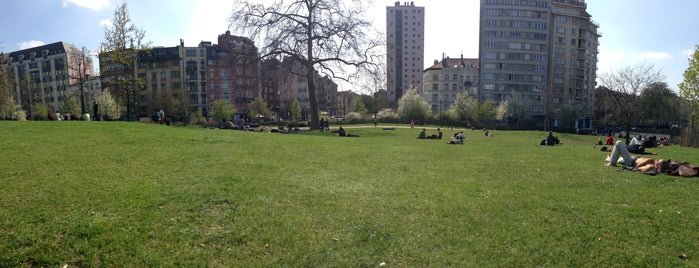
pixel 341 132
pixel 422 134
pixel 609 140
pixel 642 164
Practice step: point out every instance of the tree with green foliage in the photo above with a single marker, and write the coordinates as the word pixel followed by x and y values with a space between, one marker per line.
pixel 570 113
pixel 689 87
pixel 259 107
pixel 412 106
pixel 357 106
pixel 327 36
pixel 70 106
pixel 197 118
pixel 464 107
pixel 445 117
pixel 41 112
pixel 501 111
pixel 107 106
pixel 295 110
pixel 167 102
pixel 518 109
pixel 222 110
pixel 487 110
pixel 123 42
pixel 660 105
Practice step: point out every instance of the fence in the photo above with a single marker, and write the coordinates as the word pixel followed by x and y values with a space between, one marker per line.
pixel 689 137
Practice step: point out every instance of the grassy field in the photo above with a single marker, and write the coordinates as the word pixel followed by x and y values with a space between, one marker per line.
pixel 142 195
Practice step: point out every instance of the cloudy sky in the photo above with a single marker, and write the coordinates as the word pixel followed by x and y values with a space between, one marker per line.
pixel 661 33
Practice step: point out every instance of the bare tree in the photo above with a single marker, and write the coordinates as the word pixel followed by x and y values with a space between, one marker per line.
pixel 8 105
pixel 123 42
pixel 328 36
pixel 80 69
pixel 629 82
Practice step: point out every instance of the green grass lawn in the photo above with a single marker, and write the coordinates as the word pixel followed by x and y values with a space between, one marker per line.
pixel 144 195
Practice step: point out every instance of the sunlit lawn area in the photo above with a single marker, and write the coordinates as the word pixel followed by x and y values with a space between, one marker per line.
pixel 141 195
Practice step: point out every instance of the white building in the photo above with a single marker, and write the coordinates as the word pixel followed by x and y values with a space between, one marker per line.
pixel 44 74
pixel 448 78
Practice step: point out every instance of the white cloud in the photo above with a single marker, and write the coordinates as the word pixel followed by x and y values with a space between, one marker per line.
pixel 91 4
pixel 655 55
pixel 687 52
pixel 204 22
pixel 30 44
pixel 106 23
pixel 610 59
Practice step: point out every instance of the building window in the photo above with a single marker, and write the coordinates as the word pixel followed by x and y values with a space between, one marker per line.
pixel 191 53
pixel 435 87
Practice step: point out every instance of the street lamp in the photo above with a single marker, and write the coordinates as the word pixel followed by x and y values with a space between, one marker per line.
pixel 279 107
pixel 694 132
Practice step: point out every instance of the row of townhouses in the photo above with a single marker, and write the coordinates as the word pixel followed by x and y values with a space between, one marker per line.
pixel 230 70
pixel 179 79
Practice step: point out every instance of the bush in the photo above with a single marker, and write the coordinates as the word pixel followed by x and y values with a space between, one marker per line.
pixel 353 118
pixel 387 115
pixel 197 118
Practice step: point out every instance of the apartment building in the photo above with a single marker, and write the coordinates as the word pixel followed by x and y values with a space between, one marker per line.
pixel 168 78
pixel 405 43
pixel 573 63
pixel 270 81
pixel 234 71
pixel 448 78
pixel 43 75
pixel 542 53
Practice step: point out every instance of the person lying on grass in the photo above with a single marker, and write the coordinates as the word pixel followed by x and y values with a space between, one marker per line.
pixel 642 164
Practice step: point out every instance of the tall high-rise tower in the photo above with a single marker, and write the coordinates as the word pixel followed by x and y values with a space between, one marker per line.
pixel 405 42
pixel 542 54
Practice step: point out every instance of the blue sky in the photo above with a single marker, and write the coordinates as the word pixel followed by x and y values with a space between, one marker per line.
pixel 661 33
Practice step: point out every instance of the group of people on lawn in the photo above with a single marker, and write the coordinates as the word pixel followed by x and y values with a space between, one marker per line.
pixel 621 155
pixel 457 138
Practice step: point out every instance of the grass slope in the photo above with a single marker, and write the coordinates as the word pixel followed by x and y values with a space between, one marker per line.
pixel 130 194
